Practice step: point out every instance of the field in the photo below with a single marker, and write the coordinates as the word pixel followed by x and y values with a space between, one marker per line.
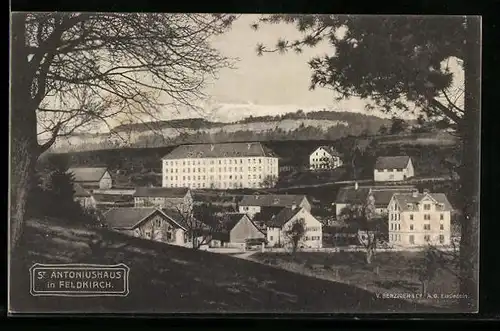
pixel 389 273
pixel 166 279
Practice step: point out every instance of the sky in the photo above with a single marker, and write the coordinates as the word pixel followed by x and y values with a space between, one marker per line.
pixel 271 84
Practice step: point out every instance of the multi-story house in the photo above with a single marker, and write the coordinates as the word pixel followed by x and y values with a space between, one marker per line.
pixel 278 228
pixel 253 204
pixel 219 166
pixel 393 168
pixel 325 157
pixel 179 198
pixel 92 177
pixel 417 219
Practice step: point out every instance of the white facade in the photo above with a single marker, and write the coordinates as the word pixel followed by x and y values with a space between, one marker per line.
pixel 394 175
pixel 106 181
pixel 323 159
pixel 313 236
pixel 218 173
pixel 426 222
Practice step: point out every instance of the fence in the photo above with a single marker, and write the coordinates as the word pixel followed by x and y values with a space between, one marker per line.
pixel 356 249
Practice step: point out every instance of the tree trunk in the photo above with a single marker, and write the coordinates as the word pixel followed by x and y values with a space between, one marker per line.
pixel 470 171
pixel 24 148
pixel 369 255
pixel 424 289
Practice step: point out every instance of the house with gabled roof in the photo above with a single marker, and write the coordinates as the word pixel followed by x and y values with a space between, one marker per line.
pixel 235 229
pixel 393 168
pixel 325 157
pixel 419 219
pixel 163 197
pixel 279 225
pixel 253 204
pixel 148 223
pixel 92 177
pixel 83 196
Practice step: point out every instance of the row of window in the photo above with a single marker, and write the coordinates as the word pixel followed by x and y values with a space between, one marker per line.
pixel 411 238
pixel 427 227
pixel 313 228
pixel 220 161
pixel 312 238
pixel 427 217
pixel 389 170
pixel 220 169
pixel 216 185
pixel 221 177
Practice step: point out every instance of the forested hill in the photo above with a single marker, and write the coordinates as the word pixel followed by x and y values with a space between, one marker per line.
pixel 299 125
pixel 201 123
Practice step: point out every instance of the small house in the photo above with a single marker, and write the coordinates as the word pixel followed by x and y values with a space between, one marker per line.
pixel 236 229
pixel 92 177
pixel 279 226
pixel 147 223
pixel 393 168
pixel 163 197
pixel 253 204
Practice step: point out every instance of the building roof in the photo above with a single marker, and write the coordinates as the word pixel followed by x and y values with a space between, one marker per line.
pixel 165 192
pixel 229 221
pixel 283 216
pixel 100 197
pixel 330 149
pixel 381 194
pixel 409 201
pixel 87 174
pixel 80 191
pixel 392 162
pixel 272 200
pixel 131 217
pixel 240 149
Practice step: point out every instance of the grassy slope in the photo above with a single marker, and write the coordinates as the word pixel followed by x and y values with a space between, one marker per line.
pixel 167 279
pixel 395 274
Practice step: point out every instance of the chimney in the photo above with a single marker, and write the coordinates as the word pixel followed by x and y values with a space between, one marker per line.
pixel 356 186
pixel 294 206
pixel 249 145
pixel 415 193
pixel 212 147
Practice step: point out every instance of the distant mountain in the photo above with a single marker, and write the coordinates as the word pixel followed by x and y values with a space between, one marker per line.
pixel 192 123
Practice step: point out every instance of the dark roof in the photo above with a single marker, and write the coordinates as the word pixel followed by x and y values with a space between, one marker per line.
pixel 166 192
pixel 87 174
pixel 330 149
pixel 381 194
pixel 408 201
pixel 392 162
pixel 229 221
pixel 80 191
pixel 220 150
pixel 272 200
pixel 100 197
pixel 284 216
pixel 349 195
pixel 129 218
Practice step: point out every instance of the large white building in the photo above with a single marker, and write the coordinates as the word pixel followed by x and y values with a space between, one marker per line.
pixel 220 166
pixel 418 219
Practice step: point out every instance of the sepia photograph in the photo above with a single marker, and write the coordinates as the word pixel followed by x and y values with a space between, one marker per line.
pixel 243 163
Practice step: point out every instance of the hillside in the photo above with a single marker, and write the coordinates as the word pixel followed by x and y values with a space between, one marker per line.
pixel 291 126
pixel 167 279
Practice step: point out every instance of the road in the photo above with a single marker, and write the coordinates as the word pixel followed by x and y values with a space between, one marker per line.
pixel 368 181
